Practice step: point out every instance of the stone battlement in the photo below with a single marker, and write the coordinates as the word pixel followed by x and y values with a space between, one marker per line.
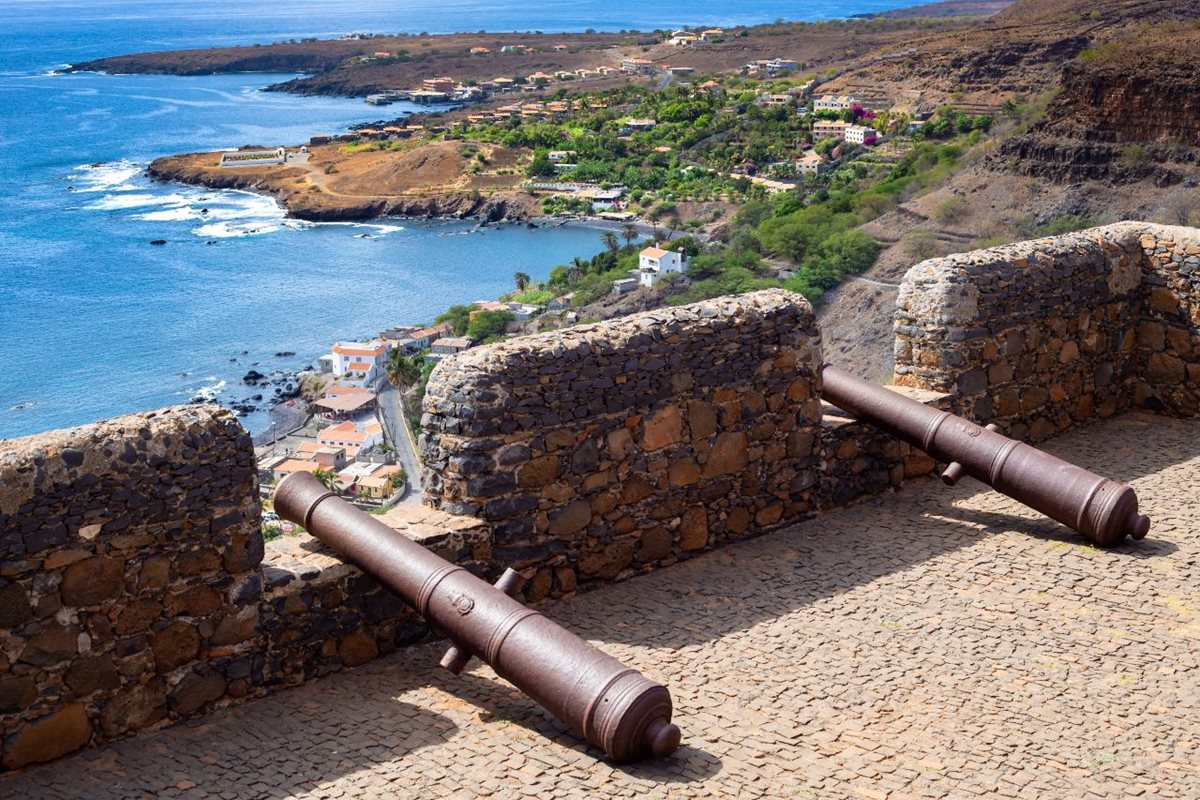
pixel 135 587
pixel 1039 335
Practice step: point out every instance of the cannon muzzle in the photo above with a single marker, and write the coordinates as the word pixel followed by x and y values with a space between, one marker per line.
pixel 613 707
pixel 1103 510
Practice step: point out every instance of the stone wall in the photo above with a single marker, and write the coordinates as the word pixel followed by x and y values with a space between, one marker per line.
pixel 134 589
pixel 606 449
pixel 1039 335
pixel 1168 339
pixel 128 551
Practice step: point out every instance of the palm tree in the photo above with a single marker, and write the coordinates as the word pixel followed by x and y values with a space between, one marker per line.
pixel 610 240
pixel 402 372
pixel 629 233
pixel 328 479
pixel 522 281
pixel 575 271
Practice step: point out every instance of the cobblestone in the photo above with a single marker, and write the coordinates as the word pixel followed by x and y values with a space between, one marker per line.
pixel 931 643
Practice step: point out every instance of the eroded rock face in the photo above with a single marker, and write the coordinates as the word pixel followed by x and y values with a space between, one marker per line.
pixel 1121 117
pixel 607 449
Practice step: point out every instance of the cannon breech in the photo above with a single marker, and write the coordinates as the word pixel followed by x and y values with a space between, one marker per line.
pixel 614 707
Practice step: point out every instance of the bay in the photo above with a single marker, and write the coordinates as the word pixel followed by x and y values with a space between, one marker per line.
pixel 95 321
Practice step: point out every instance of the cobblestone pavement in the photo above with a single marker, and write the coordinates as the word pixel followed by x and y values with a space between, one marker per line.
pixel 933 643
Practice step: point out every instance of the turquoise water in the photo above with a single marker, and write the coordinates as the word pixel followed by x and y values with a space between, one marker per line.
pixel 95 321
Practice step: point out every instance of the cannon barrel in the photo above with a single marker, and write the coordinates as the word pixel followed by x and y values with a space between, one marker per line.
pixel 613 707
pixel 1103 510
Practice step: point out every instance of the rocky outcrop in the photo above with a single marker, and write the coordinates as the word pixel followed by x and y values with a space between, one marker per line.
pixel 317 206
pixel 1128 112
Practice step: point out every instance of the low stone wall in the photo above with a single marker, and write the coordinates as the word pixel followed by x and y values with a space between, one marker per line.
pixel 1168 339
pixel 1039 335
pixel 607 449
pixel 129 552
pixel 320 614
pixel 134 589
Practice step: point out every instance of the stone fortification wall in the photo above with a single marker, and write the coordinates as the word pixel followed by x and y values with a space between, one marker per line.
pixel 134 589
pixel 1168 340
pixel 1039 335
pixel 606 449
pixel 129 552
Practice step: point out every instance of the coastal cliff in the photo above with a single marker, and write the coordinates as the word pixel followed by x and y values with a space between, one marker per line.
pixel 333 186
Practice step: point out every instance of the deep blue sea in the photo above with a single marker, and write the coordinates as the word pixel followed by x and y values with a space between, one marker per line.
pixel 95 321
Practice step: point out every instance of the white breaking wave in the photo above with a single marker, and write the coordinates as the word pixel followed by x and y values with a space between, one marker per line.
pixel 209 392
pixel 113 176
pixel 170 215
pixel 227 230
pixel 225 214
pixel 119 202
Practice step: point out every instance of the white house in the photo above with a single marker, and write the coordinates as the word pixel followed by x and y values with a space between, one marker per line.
pixel 654 263
pixel 831 103
pixel 683 38
pixel 359 363
pixel 812 164
pixel 860 134
pixel 823 129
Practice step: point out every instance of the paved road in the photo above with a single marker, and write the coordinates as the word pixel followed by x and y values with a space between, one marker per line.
pixel 401 439
pixel 934 643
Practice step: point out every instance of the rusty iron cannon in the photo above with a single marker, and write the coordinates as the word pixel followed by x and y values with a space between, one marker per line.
pixel 1103 510
pixel 612 706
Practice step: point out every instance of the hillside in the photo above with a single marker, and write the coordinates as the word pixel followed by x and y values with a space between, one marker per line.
pixel 1020 51
pixel 1127 111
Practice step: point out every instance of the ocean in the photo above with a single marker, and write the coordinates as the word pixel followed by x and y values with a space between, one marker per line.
pixel 95 321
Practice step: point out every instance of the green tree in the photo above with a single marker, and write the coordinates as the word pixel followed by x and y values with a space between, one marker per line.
pixel 609 239
pixel 522 280
pixel 541 167
pixel 329 480
pixel 402 371
pixel 629 233
pixel 488 326
pixel 457 316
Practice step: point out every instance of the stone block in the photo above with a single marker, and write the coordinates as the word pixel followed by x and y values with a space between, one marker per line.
pixel 662 429
pixel 358 648
pixel 15 608
pixel 684 471
pixel 175 645
pixel 134 708
pixel 655 545
pixel 570 520
pixel 728 455
pixel 91 674
pixel 693 529
pixel 92 581
pixel 197 688
pixel 17 692
pixel 47 738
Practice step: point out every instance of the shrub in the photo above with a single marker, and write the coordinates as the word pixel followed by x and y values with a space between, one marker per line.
pixel 950 210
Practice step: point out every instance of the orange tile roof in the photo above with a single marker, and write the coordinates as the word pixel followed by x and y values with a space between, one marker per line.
pixel 341 388
pixel 297 465
pixel 654 252
pixel 347 350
